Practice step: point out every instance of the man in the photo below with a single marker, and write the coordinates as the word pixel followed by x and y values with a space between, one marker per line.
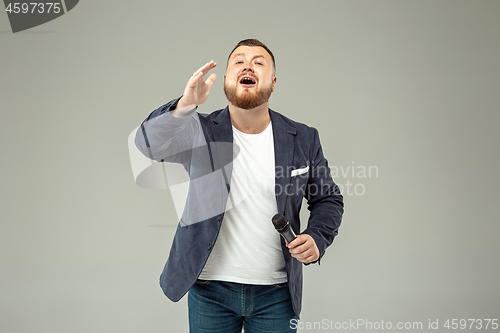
pixel 246 163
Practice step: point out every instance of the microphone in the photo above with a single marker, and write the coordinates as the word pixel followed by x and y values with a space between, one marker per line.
pixel 283 227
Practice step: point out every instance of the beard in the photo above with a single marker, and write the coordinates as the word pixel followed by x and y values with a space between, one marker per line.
pixel 246 100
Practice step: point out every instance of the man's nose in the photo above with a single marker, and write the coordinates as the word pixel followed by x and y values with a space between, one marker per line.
pixel 248 68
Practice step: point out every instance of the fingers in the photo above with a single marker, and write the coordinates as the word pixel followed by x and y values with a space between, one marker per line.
pixel 307 260
pixel 305 257
pixel 199 75
pixel 299 248
pixel 297 241
pixel 205 68
pixel 304 249
pixel 197 78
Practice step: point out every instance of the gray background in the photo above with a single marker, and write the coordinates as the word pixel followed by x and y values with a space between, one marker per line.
pixel 411 87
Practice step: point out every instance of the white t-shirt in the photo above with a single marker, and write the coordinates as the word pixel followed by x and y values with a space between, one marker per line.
pixel 248 248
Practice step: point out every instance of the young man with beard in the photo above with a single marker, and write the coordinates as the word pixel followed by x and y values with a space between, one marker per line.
pixel 226 252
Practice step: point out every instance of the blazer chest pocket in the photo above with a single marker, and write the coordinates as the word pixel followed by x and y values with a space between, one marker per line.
pixel 298 172
pixel 298 182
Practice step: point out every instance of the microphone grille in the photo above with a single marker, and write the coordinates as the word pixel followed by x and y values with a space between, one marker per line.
pixel 279 221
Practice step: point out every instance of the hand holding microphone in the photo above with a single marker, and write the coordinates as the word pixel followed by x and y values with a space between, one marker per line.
pixel 302 247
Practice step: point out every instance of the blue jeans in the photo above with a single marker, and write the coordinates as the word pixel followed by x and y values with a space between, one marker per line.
pixel 226 307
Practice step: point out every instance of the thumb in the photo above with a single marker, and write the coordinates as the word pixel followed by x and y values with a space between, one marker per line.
pixel 210 81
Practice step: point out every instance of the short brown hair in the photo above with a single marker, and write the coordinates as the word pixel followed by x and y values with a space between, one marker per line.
pixel 253 42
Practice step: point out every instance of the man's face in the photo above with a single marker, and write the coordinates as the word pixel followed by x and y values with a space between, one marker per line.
pixel 249 79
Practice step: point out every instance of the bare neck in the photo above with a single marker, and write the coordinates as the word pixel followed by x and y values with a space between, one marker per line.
pixel 252 121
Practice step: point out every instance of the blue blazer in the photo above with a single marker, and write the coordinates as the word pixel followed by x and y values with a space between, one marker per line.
pixel 296 147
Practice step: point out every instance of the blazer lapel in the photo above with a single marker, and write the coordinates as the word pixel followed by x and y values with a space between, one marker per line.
pixel 221 149
pixel 283 135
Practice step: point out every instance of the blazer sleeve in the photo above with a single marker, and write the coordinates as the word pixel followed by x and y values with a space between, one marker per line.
pixel 165 138
pixel 325 202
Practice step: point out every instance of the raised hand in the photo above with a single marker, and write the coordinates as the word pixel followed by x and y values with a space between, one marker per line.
pixel 197 89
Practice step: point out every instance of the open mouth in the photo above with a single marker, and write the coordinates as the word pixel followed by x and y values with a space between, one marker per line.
pixel 247 81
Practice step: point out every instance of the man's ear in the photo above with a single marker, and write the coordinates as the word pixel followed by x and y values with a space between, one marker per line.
pixel 274 82
pixel 224 78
